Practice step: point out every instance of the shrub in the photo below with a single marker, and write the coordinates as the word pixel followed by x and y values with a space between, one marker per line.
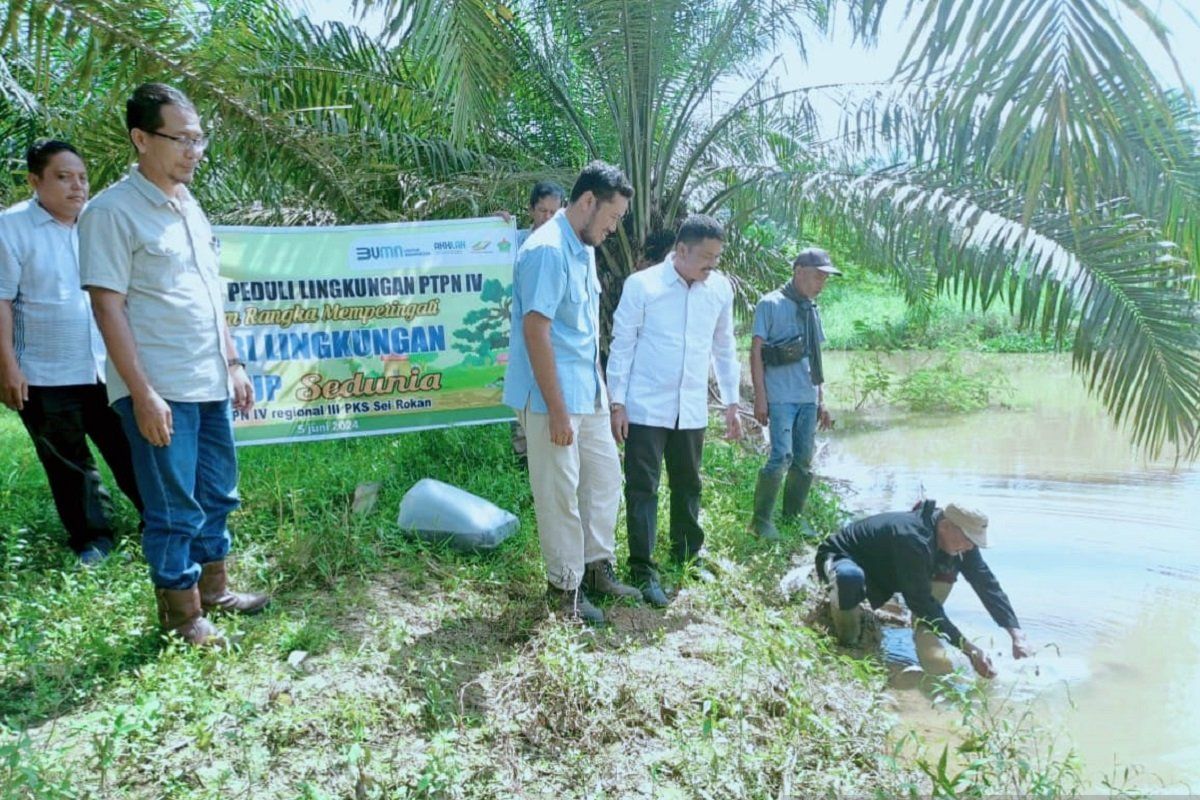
pixel 948 386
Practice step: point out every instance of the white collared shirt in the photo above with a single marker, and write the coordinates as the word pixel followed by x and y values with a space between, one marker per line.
pixel 160 253
pixel 54 335
pixel 666 335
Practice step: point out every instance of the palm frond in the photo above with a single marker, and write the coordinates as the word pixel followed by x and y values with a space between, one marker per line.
pixel 1136 337
pixel 468 41
pixel 1038 92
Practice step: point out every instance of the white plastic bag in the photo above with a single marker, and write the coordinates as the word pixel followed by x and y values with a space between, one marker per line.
pixel 438 512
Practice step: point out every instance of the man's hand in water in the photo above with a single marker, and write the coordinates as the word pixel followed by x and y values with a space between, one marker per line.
pixel 981 662
pixel 1021 647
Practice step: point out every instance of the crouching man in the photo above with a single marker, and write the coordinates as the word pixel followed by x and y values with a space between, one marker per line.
pixel 919 554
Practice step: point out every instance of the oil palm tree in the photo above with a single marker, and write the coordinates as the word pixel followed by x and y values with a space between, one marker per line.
pixel 311 124
pixel 1024 152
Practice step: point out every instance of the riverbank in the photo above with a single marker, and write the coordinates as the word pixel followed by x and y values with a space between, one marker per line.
pixel 388 669
pixel 427 673
pixel 1092 541
pixel 863 310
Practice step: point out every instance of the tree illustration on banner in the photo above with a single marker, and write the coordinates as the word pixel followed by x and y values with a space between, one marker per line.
pixel 485 336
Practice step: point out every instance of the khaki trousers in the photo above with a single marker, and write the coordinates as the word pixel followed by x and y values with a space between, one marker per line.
pixel 576 493
pixel 931 648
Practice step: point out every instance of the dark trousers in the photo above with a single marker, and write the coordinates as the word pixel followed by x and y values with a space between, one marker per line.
pixel 60 419
pixel 645 448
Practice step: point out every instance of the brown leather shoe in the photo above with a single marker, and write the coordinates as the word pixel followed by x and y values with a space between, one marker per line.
pixel 215 594
pixel 180 615
pixel 573 605
pixel 600 578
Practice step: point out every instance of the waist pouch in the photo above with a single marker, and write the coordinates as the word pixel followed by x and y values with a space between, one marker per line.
pixel 789 352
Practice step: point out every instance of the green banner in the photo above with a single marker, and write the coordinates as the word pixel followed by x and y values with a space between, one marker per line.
pixel 353 331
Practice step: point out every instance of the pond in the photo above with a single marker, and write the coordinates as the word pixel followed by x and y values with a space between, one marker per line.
pixel 1095 545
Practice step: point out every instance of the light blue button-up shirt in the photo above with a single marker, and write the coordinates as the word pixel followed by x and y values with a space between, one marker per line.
pixel 555 276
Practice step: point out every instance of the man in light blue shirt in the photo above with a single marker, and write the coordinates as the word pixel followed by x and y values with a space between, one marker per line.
pixel 555 385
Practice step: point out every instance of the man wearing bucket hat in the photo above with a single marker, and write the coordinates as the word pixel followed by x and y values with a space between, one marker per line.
pixel 919 554
pixel 785 367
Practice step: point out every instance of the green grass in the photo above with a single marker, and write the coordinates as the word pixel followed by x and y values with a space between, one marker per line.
pixel 864 311
pixel 430 673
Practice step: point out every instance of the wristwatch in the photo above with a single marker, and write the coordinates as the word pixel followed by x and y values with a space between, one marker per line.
pixel 235 362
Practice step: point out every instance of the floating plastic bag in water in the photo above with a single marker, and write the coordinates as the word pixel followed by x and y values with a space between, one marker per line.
pixel 438 512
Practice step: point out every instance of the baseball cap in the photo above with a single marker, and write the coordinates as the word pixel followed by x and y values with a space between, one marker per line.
pixel 816 258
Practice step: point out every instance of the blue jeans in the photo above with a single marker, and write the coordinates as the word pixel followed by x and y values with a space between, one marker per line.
pixel 188 488
pixel 793 430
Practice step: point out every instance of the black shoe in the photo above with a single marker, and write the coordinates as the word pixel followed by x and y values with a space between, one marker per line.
pixel 573 605
pixel 652 592
pixel 95 551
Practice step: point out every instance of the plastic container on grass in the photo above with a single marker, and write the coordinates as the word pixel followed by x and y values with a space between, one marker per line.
pixel 438 512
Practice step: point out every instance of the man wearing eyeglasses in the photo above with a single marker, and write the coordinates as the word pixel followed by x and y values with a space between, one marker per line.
pixel 149 260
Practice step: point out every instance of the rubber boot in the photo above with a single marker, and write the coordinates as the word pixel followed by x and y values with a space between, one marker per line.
pixel 795 495
pixel 847 623
pixel 215 594
pixel 180 615
pixel 795 492
pixel 765 492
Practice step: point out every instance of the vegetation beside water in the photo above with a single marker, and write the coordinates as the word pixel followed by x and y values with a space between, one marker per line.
pixel 864 310
pixel 428 673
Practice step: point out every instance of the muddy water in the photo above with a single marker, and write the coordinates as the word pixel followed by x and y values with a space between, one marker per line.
pixel 1096 547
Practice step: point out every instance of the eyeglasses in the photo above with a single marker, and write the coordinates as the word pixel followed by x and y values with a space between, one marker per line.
pixel 199 143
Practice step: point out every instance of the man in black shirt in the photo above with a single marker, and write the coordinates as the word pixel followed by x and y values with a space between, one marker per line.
pixel 919 554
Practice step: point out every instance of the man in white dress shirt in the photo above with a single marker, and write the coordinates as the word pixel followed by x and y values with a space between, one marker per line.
pixel 675 319
pixel 52 356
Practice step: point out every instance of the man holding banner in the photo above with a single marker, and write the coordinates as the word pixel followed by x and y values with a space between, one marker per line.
pixel 148 258
pixel 555 385
pixel 545 199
